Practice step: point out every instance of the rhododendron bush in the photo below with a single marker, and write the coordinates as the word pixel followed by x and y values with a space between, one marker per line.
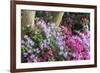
pixel 49 41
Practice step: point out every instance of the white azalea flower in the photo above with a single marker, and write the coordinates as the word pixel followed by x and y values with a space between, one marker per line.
pixel 61 47
pixel 29 51
pixel 61 53
pixel 25 36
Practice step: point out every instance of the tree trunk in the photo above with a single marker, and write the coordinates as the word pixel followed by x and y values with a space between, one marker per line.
pixel 28 18
pixel 58 18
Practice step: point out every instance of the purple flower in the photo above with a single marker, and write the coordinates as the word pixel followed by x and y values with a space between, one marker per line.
pixel 25 54
pixel 41 45
pixel 48 32
pixel 32 43
pixel 37 50
pixel 25 36
pixel 60 38
pixel 60 43
pixel 45 45
pixel 58 34
pixel 30 58
pixel 86 42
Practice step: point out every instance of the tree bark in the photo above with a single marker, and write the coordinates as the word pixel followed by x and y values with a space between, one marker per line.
pixel 58 18
pixel 28 18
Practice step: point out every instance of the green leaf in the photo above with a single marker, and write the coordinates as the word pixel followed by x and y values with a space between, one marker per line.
pixel 53 44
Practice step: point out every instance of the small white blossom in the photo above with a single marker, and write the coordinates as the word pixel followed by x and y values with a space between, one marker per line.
pixel 25 54
pixel 62 48
pixel 25 36
pixel 29 51
pixel 61 53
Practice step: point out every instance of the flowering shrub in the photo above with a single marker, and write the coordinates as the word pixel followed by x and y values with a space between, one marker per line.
pixel 46 43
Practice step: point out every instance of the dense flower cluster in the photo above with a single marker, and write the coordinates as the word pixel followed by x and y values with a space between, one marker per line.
pixel 46 43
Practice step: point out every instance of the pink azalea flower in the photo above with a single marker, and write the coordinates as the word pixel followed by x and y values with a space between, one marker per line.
pixel 50 53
